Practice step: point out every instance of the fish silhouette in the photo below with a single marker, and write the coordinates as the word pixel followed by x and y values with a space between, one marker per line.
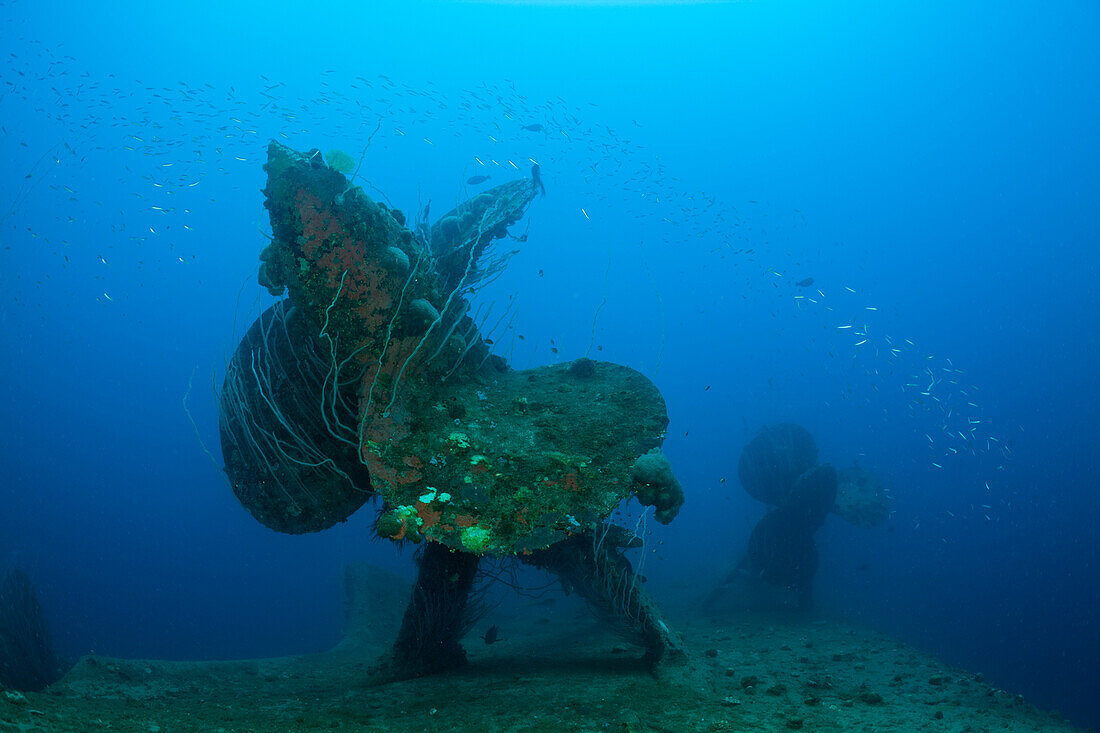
pixel 492 636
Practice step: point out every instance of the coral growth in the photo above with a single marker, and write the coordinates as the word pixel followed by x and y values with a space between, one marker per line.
pixel 528 457
pixel 27 659
pixel 655 485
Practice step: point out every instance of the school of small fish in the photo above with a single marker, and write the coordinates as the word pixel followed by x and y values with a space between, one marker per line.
pixel 167 142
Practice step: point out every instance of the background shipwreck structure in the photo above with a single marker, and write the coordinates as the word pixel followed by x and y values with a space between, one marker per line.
pixel 373 379
pixel 779 468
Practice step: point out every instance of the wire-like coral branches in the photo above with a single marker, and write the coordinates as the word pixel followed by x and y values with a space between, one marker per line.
pixel 282 450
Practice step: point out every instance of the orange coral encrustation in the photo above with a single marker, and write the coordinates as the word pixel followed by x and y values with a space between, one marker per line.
pixel 341 258
pixel 429 515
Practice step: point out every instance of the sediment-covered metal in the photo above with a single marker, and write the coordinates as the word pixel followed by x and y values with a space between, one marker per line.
pixel 463 450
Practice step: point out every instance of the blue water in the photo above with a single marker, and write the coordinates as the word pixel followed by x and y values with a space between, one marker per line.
pixel 934 166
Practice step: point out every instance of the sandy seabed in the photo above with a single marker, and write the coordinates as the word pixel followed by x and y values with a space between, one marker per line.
pixel 555 670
